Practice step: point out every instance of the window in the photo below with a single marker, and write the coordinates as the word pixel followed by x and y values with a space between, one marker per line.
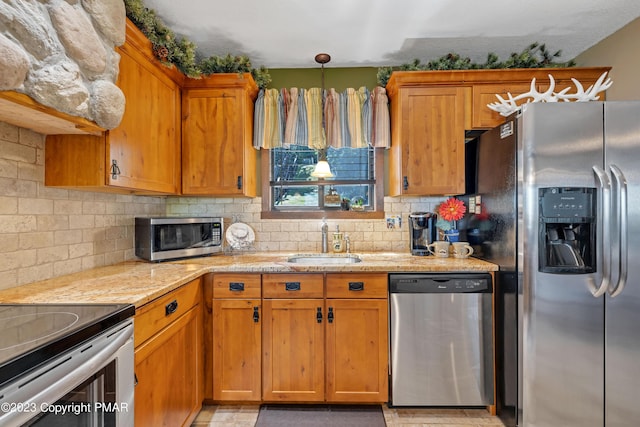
pixel 289 190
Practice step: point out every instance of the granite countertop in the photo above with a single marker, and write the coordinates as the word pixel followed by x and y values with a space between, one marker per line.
pixel 138 282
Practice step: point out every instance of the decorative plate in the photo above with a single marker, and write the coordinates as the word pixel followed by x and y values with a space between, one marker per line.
pixel 240 235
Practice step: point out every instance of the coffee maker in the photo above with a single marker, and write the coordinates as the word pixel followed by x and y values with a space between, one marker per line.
pixel 422 226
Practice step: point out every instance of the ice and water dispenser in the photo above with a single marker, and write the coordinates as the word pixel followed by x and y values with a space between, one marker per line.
pixel 567 230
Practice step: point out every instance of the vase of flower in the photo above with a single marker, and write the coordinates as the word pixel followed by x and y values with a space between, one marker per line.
pixel 452 235
pixel 449 213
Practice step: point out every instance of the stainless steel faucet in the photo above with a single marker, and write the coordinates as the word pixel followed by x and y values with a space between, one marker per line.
pixel 325 236
pixel 347 243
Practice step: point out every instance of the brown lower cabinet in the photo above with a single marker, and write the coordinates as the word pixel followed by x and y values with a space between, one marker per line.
pixel 236 338
pixel 168 358
pixel 356 349
pixel 323 338
pixel 357 343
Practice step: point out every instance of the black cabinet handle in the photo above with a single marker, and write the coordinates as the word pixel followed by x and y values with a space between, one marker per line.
pixel 236 286
pixel 135 379
pixel 405 183
pixel 291 286
pixel 319 315
pixel 115 169
pixel 256 315
pixel 330 315
pixel 356 286
pixel 171 307
pixel 239 182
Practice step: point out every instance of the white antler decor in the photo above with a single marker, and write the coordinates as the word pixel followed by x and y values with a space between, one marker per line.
pixel 509 106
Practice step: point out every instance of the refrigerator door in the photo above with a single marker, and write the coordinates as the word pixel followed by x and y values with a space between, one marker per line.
pixel 562 360
pixel 622 136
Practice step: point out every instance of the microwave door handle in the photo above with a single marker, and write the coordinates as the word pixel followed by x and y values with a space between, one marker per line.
pixel 604 208
pixel 622 229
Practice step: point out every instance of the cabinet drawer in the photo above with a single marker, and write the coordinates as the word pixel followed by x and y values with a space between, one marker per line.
pixel 292 286
pixel 236 286
pixel 356 285
pixel 158 314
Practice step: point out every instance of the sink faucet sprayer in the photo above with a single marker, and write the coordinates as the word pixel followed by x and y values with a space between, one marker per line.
pixel 325 236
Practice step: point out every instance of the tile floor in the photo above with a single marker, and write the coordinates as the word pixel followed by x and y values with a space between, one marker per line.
pixel 246 416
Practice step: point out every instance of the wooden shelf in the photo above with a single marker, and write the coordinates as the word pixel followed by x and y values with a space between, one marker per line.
pixel 20 110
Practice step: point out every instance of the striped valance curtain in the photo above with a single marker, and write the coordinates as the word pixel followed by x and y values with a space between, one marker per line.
pixel 354 118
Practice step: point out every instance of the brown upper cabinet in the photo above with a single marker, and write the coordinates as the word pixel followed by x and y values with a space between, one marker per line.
pixel 427 152
pixel 141 155
pixel 488 83
pixel 218 157
pixel 431 110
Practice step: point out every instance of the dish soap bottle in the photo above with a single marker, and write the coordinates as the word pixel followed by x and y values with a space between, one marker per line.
pixel 337 244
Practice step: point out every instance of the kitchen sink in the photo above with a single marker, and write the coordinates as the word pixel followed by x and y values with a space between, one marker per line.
pixel 322 259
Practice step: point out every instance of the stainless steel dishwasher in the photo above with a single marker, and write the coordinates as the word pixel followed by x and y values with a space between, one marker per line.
pixel 441 339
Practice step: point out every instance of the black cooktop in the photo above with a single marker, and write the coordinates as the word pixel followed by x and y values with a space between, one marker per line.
pixel 32 334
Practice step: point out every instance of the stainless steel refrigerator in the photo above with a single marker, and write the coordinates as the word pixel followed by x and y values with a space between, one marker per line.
pixel 559 189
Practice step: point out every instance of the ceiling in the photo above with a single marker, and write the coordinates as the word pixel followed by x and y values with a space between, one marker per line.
pixel 357 33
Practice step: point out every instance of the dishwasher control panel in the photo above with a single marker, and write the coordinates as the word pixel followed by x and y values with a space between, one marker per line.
pixel 439 283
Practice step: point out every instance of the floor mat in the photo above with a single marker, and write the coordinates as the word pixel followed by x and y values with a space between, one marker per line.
pixel 320 416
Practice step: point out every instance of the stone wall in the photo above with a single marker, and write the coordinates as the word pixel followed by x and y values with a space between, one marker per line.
pixel 61 53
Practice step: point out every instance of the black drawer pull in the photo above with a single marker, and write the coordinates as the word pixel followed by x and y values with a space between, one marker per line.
pixel 356 286
pixel 171 307
pixel 330 315
pixel 291 286
pixel 256 315
pixel 236 286
pixel 319 315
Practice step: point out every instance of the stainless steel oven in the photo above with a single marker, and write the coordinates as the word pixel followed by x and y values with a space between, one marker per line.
pixel 66 365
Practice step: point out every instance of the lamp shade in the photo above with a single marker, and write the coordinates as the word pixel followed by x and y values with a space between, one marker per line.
pixel 322 170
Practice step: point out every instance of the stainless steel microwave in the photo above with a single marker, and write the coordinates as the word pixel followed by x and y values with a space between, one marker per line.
pixel 166 238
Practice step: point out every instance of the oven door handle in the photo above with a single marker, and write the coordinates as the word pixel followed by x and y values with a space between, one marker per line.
pixel 46 385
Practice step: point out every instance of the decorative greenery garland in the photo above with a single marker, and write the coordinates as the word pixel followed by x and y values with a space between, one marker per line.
pixel 534 56
pixel 182 52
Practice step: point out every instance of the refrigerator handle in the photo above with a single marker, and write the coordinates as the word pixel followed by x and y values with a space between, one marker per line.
pixel 622 229
pixel 604 208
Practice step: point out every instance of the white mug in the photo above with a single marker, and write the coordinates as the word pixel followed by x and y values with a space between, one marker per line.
pixel 439 248
pixel 462 250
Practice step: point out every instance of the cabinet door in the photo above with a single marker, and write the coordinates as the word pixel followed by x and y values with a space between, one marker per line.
pixel 214 147
pixel 293 350
pixel 484 94
pixel 168 367
pixel 427 154
pixel 146 144
pixel 357 350
pixel 237 374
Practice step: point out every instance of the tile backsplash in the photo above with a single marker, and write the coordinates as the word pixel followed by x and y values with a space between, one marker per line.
pixel 305 235
pixel 48 232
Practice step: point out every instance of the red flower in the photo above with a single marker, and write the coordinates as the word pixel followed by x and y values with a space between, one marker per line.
pixel 452 209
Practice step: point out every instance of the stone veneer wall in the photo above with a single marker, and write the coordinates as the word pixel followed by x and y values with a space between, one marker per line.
pixel 48 232
pixel 61 53
pixel 302 236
